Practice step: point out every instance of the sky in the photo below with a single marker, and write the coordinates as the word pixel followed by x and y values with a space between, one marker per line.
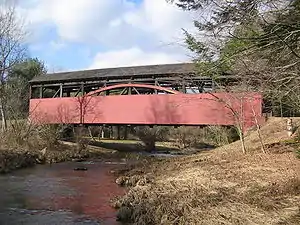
pixel 89 34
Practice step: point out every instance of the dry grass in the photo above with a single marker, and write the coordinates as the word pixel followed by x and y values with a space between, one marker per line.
pixel 222 186
pixel 273 131
pixel 24 145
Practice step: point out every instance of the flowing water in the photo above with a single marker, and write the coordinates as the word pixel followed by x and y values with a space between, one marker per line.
pixel 58 194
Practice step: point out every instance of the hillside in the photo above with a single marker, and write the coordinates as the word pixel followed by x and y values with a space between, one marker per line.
pixel 222 186
pixel 273 131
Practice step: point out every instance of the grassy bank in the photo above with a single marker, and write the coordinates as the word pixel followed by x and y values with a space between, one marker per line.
pixel 13 159
pixel 222 186
pixel 23 145
pixel 18 157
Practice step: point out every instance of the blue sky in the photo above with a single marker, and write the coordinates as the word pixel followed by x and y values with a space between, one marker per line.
pixel 85 34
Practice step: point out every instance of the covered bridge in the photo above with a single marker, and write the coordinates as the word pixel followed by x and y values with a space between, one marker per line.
pixel 171 94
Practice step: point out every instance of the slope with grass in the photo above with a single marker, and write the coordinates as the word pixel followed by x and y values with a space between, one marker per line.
pixel 222 186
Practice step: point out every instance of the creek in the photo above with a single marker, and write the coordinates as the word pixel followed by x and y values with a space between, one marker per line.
pixel 58 194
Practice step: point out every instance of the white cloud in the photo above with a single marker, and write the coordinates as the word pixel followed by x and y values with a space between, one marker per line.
pixel 133 57
pixel 80 20
pixel 56 69
pixel 115 23
pixel 86 20
pixel 154 26
pixel 57 45
pixel 160 18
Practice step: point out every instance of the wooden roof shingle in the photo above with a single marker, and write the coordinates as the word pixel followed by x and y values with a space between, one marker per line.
pixel 116 73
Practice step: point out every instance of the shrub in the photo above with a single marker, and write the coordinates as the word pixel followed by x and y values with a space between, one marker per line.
pixel 49 134
pixel 186 136
pixel 195 136
pixel 150 135
pixel 218 135
pixel 296 142
pixel 18 132
pixel 21 133
pixel 298 153
pixel 82 142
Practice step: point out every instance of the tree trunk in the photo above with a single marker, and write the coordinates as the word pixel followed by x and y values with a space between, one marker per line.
pixel 242 139
pixel 91 134
pixel 243 143
pixel 3 116
pixel 289 127
pixel 258 131
pixel 241 125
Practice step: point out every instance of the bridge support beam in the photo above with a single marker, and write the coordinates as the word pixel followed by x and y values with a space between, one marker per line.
pixel 118 132
pixel 125 132
pixel 102 132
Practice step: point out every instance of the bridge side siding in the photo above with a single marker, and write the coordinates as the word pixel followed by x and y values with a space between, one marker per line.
pixel 168 109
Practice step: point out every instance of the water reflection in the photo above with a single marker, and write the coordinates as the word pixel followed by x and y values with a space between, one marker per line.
pixel 59 195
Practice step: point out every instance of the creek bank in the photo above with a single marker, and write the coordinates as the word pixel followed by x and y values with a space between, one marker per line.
pixel 138 177
pixel 14 159
pixel 174 153
pixel 215 187
pixel 221 186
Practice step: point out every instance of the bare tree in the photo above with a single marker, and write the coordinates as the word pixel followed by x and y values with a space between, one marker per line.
pixel 257 123
pixel 235 104
pixel 12 50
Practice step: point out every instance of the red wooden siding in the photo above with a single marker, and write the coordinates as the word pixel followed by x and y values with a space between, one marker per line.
pixel 167 109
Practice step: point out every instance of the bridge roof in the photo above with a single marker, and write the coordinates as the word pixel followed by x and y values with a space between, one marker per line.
pixel 117 73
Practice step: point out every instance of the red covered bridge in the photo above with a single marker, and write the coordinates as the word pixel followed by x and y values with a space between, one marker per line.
pixel 145 95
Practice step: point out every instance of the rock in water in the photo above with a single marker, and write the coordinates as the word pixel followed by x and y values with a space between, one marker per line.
pixel 78 160
pixel 80 169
